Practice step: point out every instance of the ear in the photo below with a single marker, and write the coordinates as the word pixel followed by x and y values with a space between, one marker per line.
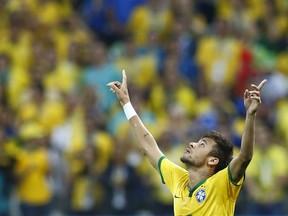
pixel 213 161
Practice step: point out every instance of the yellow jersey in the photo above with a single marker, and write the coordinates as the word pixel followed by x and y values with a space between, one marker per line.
pixel 215 196
pixel 33 187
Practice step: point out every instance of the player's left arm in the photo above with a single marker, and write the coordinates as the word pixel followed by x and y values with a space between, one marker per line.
pixel 252 100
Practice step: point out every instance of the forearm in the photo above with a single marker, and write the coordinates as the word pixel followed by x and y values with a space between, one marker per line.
pixel 143 136
pixel 239 164
pixel 146 141
pixel 248 138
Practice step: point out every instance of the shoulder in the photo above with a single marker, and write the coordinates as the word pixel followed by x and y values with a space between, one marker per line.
pixel 167 169
pixel 224 177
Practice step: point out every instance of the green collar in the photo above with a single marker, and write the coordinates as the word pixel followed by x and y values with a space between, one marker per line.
pixel 191 190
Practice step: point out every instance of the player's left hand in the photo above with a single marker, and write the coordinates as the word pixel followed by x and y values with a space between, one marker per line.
pixel 252 98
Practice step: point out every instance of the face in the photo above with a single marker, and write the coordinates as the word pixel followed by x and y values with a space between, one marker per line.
pixel 197 153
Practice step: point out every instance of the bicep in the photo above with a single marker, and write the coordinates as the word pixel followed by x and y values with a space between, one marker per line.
pixel 154 154
pixel 238 167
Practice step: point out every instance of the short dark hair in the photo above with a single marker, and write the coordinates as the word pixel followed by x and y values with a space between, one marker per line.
pixel 223 149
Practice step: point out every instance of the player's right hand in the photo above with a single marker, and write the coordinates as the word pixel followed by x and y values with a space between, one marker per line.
pixel 120 89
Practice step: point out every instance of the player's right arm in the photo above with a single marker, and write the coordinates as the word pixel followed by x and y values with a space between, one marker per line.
pixel 146 141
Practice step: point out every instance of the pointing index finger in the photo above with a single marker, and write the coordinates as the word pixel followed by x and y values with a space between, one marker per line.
pixel 262 83
pixel 124 77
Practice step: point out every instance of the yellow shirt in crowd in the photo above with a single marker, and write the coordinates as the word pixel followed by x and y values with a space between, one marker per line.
pixel 33 168
pixel 266 168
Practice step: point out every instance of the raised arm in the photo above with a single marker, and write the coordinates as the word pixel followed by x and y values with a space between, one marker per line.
pixel 146 141
pixel 252 101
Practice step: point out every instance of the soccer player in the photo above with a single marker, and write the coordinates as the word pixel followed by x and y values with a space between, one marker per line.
pixel 212 180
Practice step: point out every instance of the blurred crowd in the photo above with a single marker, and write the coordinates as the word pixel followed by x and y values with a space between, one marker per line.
pixel 65 145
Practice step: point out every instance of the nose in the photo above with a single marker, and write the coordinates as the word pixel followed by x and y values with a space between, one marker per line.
pixel 192 145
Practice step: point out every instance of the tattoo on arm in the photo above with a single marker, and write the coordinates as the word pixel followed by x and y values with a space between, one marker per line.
pixel 146 134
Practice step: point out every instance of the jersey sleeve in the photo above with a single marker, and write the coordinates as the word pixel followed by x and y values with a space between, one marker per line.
pixel 224 182
pixel 170 173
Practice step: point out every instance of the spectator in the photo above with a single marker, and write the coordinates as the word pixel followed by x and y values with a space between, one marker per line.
pixel 32 172
pixel 155 16
pixel 267 175
pixel 97 74
pixel 6 173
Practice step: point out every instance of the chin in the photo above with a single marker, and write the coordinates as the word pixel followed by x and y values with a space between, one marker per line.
pixel 187 161
pixel 184 160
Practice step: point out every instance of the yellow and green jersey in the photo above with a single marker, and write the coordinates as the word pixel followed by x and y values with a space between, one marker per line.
pixel 213 196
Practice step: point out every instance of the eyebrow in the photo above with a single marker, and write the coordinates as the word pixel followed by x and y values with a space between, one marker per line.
pixel 203 139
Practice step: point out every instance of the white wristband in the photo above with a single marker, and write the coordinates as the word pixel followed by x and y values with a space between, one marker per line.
pixel 129 110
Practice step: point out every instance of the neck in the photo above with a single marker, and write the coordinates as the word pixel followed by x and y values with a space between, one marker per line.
pixel 198 174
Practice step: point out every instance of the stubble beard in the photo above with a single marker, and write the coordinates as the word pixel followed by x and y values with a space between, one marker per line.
pixel 186 161
pixel 190 162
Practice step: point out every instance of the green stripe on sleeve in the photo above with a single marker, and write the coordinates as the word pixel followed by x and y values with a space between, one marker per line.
pixel 159 168
pixel 231 179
